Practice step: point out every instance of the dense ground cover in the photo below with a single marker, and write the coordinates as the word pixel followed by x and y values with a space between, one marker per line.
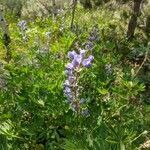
pixel 98 102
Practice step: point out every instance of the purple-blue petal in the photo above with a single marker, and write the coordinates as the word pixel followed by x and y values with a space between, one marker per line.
pixel 66 83
pixel 89 45
pixel 88 62
pixel 72 54
pixel 82 53
pixel 68 72
pixel 77 61
pixel 67 89
pixel 91 58
pixel 70 66
pixel 71 79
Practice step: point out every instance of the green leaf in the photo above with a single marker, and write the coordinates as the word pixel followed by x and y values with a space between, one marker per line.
pixel 103 91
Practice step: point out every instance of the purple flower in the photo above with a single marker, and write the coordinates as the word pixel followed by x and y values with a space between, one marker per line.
pixel 68 72
pixel 69 97
pixel 82 53
pixel 88 62
pixel 66 83
pixel 72 54
pixel 22 24
pixel 70 67
pixel 77 61
pixel 94 35
pixel 89 45
pixel 92 38
pixel 67 90
pixel 71 79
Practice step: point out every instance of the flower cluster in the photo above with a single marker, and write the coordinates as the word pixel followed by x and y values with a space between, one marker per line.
pixel 94 37
pixel 79 61
pixel 72 71
pixel 94 34
pixel 23 27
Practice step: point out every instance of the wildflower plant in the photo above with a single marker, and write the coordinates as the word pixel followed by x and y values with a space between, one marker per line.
pixel 106 107
pixel 79 61
pixel 23 27
pixel 73 69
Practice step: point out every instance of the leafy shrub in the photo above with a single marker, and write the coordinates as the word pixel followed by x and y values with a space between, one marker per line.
pixel 13 6
pixel 34 114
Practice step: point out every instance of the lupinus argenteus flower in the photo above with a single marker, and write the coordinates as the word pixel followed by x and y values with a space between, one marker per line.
pixel 94 37
pixel 94 34
pixel 89 45
pixel 71 87
pixel 23 27
pixel 79 61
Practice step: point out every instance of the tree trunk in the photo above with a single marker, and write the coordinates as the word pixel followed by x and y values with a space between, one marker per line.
pixel 6 37
pixel 54 9
pixel 86 4
pixel 73 13
pixel 147 30
pixel 133 21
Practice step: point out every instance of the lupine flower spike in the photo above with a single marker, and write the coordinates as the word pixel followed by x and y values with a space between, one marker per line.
pixel 78 61
pixel 23 27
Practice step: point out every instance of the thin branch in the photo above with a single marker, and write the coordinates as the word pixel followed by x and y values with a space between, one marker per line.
pixel 145 58
pixel 73 12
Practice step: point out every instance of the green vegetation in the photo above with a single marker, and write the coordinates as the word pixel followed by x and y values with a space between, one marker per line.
pixel 110 109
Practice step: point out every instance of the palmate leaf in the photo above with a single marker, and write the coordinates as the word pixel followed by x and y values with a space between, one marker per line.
pixel 6 129
pixel 6 134
pixel 73 145
pixel 70 145
pixel 96 143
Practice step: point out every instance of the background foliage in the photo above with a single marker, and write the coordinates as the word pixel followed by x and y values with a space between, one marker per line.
pixel 34 114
